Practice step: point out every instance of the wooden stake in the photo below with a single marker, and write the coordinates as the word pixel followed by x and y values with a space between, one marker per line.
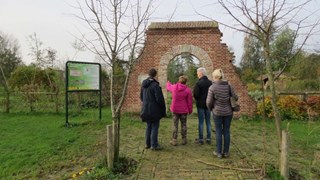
pixel 284 168
pixel 110 148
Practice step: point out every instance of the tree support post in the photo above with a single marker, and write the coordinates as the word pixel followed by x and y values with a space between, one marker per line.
pixel 110 148
pixel 284 168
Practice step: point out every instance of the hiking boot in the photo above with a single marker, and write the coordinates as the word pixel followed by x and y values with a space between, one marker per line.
pixel 184 141
pixel 173 142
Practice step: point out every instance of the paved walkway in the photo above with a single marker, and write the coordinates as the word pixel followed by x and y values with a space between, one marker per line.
pixel 192 161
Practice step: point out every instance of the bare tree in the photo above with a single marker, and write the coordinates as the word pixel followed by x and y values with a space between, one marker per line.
pixel 117 29
pixel 36 50
pixel 262 19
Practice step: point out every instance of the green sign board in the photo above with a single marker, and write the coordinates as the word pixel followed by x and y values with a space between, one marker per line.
pixel 83 76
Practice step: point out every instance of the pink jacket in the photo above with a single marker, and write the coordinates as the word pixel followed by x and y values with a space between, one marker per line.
pixel 181 98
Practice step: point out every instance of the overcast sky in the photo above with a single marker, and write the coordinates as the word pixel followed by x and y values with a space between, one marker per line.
pixel 55 27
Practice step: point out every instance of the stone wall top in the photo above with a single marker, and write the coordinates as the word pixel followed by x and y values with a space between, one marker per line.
pixel 183 25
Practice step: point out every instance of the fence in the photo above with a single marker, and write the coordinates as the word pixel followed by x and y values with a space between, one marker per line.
pixel 47 101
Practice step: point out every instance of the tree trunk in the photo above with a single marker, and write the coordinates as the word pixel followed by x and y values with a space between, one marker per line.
pixel 273 95
pixel 79 102
pixel 7 102
pixel 264 129
pixel 274 100
pixel 29 96
pixel 57 101
pixel 284 168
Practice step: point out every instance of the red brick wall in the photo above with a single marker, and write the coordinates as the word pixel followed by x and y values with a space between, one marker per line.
pixel 162 45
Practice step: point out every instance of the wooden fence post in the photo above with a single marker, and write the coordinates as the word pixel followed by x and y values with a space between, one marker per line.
pixel 284 168
pixel 110 148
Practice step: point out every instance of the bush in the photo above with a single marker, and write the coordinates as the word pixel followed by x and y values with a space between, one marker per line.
pixel 290 107
pixel 268 107
pixel 304 85
pixel 256 95
pixel 254 87
pixel 313 106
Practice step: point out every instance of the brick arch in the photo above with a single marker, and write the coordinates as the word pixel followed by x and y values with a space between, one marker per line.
pixel 201 55
pixel 166 40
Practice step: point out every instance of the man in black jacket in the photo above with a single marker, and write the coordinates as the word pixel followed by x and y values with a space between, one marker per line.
pixel 200 93
pixel 153 109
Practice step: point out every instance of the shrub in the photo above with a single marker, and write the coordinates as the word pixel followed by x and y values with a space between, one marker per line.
pixel 256 95
pixel 268 107
pixel 290 107
pixel 253 87
pixel 313 106
pixel 304 85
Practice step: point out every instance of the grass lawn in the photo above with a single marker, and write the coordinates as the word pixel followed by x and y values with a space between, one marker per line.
pixel 304 145
pixel 39 146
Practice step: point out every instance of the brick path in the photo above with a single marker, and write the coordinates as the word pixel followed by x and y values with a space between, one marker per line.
pixel 190 161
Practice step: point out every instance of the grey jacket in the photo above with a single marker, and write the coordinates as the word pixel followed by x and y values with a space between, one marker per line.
pixel 218 99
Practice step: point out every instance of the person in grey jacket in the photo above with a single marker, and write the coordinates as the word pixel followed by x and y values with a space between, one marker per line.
pixel 218 101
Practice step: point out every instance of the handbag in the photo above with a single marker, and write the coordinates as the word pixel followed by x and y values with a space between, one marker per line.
pixel 235 106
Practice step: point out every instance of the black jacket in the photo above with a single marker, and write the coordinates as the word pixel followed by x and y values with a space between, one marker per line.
pixel 153 104
pixel 200 91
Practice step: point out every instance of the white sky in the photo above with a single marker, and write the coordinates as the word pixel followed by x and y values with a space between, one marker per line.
pixel 51 21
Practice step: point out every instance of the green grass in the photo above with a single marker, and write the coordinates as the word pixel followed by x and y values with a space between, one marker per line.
pixel 304 144
pixel 39 146
pixel 34 146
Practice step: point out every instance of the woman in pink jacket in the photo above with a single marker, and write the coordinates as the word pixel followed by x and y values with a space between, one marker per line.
pixel 181 106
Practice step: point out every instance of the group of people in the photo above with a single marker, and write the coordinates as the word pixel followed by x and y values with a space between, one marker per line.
pixel 211 96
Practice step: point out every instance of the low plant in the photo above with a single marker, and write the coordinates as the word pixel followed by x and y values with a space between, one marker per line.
pixel 125 166
pixel 256 95
pixel 290 107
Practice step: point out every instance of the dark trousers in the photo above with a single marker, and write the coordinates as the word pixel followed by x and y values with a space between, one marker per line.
pixel 152 133
pixel 222 126
pixel 204 115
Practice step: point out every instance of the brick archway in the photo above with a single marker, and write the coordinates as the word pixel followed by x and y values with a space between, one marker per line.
pixel 201 39
pixel 199 53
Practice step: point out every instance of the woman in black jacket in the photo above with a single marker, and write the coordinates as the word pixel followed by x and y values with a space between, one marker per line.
pixel 153 109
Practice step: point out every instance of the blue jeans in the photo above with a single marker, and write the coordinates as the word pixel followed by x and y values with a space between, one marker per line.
pixel 152 133
pixel 204 114
pixel 222 124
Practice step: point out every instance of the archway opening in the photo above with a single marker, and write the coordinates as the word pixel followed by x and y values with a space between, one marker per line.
pixel 183 64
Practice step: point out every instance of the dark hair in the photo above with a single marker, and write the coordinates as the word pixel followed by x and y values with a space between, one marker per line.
pixel 152 73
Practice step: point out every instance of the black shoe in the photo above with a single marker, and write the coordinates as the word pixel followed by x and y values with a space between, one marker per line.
pixel 208 141
pixel 156 148
pixel 197 141
pixel 147 147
